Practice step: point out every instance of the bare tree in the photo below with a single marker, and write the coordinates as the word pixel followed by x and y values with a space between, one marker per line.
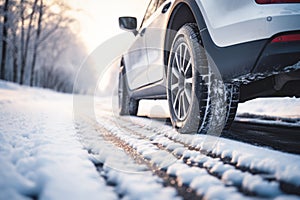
pixel 4 39
pixel 25 38
pixel 36 43
pixel 15 51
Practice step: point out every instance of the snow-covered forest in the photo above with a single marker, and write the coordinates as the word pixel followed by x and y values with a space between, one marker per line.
pixel 38 46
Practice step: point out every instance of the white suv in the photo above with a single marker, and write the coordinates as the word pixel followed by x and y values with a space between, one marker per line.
pixel 206 56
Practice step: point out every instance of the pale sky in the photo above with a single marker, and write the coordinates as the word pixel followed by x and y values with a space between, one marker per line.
pixel 98 20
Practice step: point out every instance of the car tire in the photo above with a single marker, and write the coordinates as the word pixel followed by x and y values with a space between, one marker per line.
pixel 127 105
pixel 199 101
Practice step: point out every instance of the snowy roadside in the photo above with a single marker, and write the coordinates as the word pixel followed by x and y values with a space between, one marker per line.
pixel 40 154
pixel 270 111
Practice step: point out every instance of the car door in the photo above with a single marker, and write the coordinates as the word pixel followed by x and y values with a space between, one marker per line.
pixel 136 59
pixel 155 39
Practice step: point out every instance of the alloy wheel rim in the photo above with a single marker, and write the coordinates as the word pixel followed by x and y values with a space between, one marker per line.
pixel 181 82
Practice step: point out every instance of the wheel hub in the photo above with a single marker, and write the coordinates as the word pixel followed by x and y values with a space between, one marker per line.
pixel 181 82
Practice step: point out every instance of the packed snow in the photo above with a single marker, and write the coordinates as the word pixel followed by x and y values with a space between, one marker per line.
pixel 279 166
pixel 271 111
pixel 280 107
pixel 45 154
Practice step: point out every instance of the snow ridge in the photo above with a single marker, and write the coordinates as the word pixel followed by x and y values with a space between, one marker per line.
pixel 272 165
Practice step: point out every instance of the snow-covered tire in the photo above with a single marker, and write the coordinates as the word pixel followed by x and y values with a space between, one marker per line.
pixel 127 105
pixel 232 95
pixel 199 101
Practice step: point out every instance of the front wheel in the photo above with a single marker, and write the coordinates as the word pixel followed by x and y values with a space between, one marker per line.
pixel 199 101
pixel 127 105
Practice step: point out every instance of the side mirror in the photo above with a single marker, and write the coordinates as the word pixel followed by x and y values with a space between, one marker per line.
pixel 128 24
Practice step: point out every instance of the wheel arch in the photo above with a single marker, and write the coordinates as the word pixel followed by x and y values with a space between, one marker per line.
pixel 192 14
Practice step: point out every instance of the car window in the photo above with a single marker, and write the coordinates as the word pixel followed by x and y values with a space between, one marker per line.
pixel 153 5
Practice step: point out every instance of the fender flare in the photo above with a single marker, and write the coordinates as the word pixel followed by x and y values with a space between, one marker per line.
pixel 197 16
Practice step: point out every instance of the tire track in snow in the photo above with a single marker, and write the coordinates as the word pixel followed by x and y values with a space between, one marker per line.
pixel 285 186
pixel 122 170
pixel 177 172
pixel 224 168
pixel 183 191
pixel 209 162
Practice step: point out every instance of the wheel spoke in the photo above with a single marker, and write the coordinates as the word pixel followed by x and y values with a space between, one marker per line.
pixel 174 86
pixel 176 99
pixel 188 66
pixel 183 104
pixel 189 80
pixel 175 72
pixel 179 107
pixel 188 95
pixel 180 53
pixel 177 63
pixel 184 58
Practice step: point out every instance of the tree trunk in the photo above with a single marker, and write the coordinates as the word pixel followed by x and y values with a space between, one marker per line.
pixel 4 40
pixel 22 43
pixel 28 37
pixel 38 33
pixel 15 58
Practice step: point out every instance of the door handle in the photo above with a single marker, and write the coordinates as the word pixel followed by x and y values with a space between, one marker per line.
pixel 166 7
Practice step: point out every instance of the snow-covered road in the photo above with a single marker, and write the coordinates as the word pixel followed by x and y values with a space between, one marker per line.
pixel 47 154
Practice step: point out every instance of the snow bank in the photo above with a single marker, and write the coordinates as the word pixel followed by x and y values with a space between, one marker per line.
pixel 278 107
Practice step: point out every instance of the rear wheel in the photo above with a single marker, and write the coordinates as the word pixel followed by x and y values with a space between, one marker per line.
pixel 127 105
pixel 199 101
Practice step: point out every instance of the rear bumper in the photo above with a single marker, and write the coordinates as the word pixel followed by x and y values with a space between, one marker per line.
pixel 245 62
pixel 277 71
pixel 261 67
pixel 280 85
pixel 277 56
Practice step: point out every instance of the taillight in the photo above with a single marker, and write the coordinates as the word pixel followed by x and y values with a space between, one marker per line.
pixel 286 38
pixel 276 1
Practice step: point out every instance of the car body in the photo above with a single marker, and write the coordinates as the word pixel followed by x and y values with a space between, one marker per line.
pixel 253 44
